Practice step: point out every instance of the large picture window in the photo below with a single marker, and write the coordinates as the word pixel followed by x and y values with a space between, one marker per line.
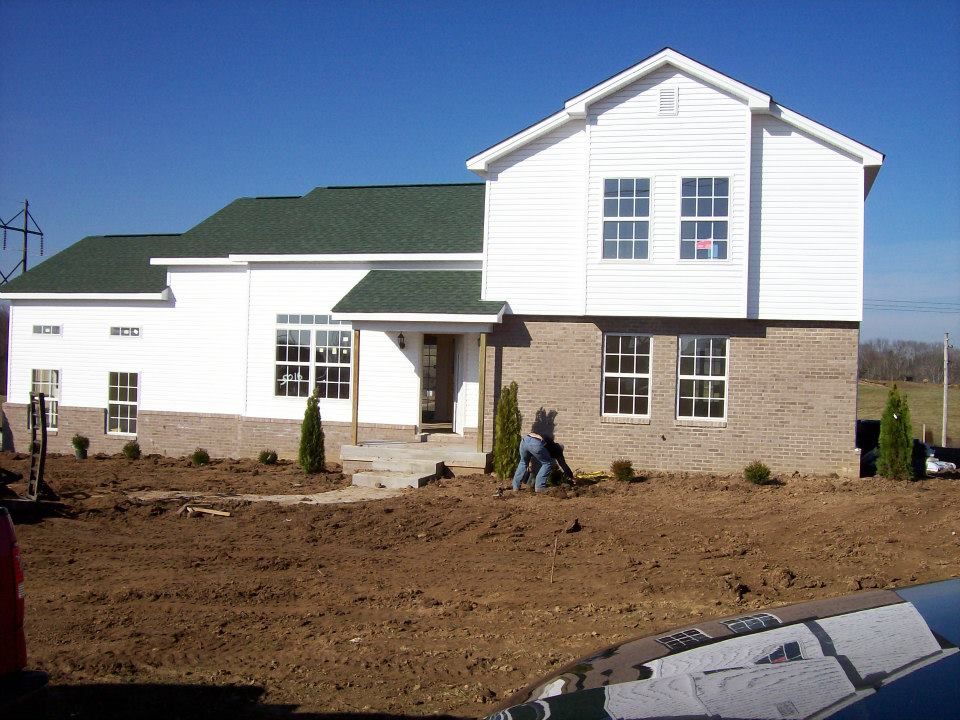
pixel 122 400
pixel 48 383
pixel 626 218
pixel 312 350
pixel 626 374
pixel 702 378
pixel 704 212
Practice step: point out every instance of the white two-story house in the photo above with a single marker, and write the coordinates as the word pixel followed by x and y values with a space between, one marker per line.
pixel 670 267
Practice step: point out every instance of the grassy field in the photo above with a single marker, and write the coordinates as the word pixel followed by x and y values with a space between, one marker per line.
pixel 926 406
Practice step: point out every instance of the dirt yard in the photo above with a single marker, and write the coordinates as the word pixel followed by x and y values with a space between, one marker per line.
pixel 434 602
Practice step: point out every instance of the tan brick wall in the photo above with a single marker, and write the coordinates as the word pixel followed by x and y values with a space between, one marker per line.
pixel 792 393
pixel 177 434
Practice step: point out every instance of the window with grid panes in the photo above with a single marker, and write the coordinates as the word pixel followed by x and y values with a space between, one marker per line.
pixel 122 400
pixel 704 212
pixel 48 383
pixel 312 350
pixel 702 378
pixel 626 218
pixel 626 374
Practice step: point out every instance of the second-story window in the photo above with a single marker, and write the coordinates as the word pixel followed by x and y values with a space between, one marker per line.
pixel 704 212
pixel 626 218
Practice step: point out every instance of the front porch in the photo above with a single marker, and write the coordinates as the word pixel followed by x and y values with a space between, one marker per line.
pixel 419 361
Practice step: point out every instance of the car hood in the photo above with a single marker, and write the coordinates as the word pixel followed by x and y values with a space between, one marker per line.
pixel 881 654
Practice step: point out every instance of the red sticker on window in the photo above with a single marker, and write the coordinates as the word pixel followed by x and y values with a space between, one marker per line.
pixel 703 244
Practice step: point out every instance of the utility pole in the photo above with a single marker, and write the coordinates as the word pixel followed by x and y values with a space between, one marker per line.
pixel 946 386
pixel 27 232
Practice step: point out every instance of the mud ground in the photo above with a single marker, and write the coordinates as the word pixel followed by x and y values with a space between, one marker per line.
pixel 437 602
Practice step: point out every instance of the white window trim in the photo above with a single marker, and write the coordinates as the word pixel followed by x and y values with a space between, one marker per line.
pixel 59 372
pixel 648 219
pixel 728 218
pixel 603 375
pixel 725 378
pixel 312 364
pixel 113 433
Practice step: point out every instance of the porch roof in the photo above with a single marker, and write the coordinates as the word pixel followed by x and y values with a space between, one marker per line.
pixel 419 295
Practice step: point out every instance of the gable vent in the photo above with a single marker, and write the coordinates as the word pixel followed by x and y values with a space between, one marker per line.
pixel 669 100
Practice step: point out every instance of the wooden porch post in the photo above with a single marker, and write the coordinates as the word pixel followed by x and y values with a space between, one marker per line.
pixel 482 393
pixel 355 385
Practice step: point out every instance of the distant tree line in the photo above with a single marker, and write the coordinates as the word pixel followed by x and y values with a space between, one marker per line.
pixel 906 360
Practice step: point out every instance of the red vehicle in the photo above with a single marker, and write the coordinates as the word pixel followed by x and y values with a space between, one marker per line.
pixel 15 680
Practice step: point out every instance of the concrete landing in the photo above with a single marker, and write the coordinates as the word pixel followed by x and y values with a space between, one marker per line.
pixel 458 458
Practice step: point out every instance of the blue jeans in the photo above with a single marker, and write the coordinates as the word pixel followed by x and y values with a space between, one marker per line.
pixel 531 447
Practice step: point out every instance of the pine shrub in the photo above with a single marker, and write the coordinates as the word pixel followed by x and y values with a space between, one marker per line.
pixel 506 433
pixel 758 473
pixel 896 438
pixel 81 443
pixel 131 450
pixel 267 457
pixel 200 457
pixel 311 457
pixel 622 469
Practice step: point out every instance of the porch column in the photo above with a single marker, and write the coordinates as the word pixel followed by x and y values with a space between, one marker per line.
pixel 354 387
pixel 482 391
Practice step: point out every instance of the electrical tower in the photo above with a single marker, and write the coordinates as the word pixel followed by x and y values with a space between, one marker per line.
pixel 27 231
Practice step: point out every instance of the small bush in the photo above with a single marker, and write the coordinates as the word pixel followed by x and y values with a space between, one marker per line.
pixel 131 450
pixel 622 469
pixel 507 426
pixel 200 457
pixel 267 457
pixel 758 473
pixel 81 443
pixel 896 439
pixel 312 455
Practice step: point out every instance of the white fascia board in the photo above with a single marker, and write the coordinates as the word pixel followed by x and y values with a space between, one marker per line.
pixel 164 295
pixel 186 261
pixel 831 137
pixel 359 257
pixel 755 99
pixel 576 107
pixel 418 318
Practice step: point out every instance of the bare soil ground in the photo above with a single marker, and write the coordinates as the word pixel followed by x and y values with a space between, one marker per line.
pixel 437 601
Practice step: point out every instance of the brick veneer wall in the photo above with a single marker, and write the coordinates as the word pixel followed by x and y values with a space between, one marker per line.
pixel 792 393
pixel 175 434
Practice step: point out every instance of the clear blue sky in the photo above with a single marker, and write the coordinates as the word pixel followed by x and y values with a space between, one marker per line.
pixel 130 117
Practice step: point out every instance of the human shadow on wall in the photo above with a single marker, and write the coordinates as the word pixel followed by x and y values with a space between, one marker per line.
pixel 545 422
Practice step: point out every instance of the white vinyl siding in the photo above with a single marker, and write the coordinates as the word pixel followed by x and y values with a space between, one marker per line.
pixel 806 244
pixel 534 226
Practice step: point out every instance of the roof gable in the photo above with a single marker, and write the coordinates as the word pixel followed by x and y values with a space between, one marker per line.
pixel 756 100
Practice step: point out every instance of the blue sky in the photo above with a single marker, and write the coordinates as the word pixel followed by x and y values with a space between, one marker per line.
pixel 122 117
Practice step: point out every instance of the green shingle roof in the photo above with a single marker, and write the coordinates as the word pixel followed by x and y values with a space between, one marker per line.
pixel 337 220
pixel 448 292
pixel 333 220
pixel 99 264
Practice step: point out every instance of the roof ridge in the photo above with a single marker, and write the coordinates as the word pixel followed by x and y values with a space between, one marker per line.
pixel 399 185
pixel 120 235
pixel 273 197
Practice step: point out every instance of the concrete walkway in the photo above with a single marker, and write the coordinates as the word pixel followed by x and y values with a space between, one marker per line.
pixel 350 494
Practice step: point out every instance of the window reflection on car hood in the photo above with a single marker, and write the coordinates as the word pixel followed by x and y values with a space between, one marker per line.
pixel 874 655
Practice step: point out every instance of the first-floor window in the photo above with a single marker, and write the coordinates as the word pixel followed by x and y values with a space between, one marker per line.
pixel 48 383
pixel 312 351
pixel 702 378
pixel 122 399
pixel 626 374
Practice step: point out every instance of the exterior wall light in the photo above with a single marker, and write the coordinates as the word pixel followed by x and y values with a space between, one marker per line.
pixel 401 342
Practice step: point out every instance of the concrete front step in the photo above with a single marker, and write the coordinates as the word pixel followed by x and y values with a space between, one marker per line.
pixel 433 468
pixel 391 479
pixel 449 455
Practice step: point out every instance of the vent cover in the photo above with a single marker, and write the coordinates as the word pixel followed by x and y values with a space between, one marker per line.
pixel 669 100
